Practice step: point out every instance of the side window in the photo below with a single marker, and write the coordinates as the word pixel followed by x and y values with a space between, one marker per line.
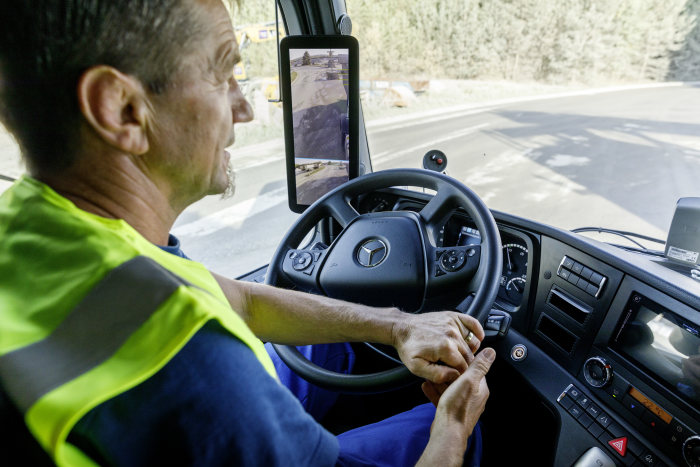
pixel 237 235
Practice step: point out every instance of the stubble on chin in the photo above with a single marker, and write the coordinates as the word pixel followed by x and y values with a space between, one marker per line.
pixel 231 186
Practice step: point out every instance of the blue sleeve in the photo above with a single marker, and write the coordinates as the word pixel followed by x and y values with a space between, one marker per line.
pixel 212 404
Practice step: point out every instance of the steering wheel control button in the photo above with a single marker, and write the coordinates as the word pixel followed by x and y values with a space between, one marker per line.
pixel 597 372
pixel 518 353
pixel 302 260
pixel 452 260
pixel 372 252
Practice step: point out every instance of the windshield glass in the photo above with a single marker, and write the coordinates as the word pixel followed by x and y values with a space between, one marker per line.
pixel 571 113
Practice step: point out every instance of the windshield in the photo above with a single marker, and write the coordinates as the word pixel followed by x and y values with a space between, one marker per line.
pixel 570 113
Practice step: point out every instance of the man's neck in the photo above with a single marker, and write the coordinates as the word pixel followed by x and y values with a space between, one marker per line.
pixel 118 191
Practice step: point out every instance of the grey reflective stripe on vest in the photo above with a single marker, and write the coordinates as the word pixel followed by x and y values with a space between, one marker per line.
pixel 111 312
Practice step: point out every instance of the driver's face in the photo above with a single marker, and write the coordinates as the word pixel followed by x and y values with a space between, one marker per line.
pixel 193 120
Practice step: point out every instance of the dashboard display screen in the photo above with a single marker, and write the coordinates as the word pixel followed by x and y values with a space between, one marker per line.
pixel 663 344
pixel 650 405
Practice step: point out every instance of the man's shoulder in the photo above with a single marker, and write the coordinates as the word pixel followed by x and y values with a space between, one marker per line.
pixel 53 254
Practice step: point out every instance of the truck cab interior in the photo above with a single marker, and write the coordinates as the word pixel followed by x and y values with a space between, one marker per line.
pixel 593 337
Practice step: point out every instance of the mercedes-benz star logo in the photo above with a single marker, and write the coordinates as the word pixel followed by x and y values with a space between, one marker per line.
pixel 371 253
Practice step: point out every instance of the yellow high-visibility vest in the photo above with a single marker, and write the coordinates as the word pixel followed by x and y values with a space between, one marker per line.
pixel 89 309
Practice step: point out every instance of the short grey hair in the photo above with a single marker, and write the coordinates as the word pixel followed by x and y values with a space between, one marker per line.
pixel 46 45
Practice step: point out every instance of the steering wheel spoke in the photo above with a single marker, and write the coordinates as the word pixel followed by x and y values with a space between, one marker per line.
pixel 339 208
pixel 439 207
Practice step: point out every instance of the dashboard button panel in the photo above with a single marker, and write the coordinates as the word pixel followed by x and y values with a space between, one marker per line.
pixel 622 446
pixel 581 276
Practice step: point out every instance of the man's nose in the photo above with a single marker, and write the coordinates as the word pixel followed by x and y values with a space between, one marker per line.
pixel 240 108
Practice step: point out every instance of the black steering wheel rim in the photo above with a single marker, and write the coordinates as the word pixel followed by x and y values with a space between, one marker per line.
pixel 450 194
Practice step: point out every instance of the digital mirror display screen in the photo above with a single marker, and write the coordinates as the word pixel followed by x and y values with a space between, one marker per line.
pixel 321 120
pixel 664 344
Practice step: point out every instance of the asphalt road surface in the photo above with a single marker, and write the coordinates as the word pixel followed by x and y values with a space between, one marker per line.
pixel 312 186
pixel 614 159
pixel 318 104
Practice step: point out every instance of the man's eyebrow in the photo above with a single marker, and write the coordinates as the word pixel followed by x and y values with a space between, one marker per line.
pixel 236 55
pixel 228 54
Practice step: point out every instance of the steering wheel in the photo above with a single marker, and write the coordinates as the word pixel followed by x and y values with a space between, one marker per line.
pixel 389 259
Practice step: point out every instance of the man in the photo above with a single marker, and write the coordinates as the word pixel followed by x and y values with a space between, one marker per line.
pixel 117 352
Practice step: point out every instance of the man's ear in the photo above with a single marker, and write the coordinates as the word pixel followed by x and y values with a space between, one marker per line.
pixel 115 106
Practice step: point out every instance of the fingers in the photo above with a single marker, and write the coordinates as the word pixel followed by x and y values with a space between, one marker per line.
pixel 433 391
pixel 473 325
pixel 479 367
pixel 465 351
pixel 435 372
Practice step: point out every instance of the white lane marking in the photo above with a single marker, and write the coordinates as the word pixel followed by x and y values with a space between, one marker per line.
pixel 387 124
pixel 404 122
pixel 564 160
pixel 232 216
pixel 386 156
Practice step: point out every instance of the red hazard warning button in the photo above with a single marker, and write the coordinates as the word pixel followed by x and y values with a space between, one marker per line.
pixel 619 445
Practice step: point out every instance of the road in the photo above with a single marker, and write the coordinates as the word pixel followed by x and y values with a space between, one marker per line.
pixel 614 159
pixel 318 105
pixel 312 186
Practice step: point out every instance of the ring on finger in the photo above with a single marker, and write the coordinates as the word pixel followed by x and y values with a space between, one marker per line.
pixel 469 337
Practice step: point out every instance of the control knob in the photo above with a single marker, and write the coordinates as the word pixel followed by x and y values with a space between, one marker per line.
pixel 691 451
pixel 597 372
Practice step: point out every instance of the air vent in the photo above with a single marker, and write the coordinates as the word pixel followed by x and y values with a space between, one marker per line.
pixel 560 300
pixel 556 334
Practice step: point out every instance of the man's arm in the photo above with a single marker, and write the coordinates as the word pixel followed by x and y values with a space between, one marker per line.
pixel 432 345
pixel 459 406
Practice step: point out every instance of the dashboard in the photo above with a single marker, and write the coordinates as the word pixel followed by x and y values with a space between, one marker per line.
pixel 606 337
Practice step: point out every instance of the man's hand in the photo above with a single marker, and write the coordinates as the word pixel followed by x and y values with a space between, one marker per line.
pixel 434 345
pixel 459 406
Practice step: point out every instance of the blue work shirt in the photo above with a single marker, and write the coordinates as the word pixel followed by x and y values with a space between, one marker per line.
pixel 212 404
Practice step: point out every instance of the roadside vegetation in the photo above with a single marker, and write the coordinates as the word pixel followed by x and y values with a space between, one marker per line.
pixel 480 50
